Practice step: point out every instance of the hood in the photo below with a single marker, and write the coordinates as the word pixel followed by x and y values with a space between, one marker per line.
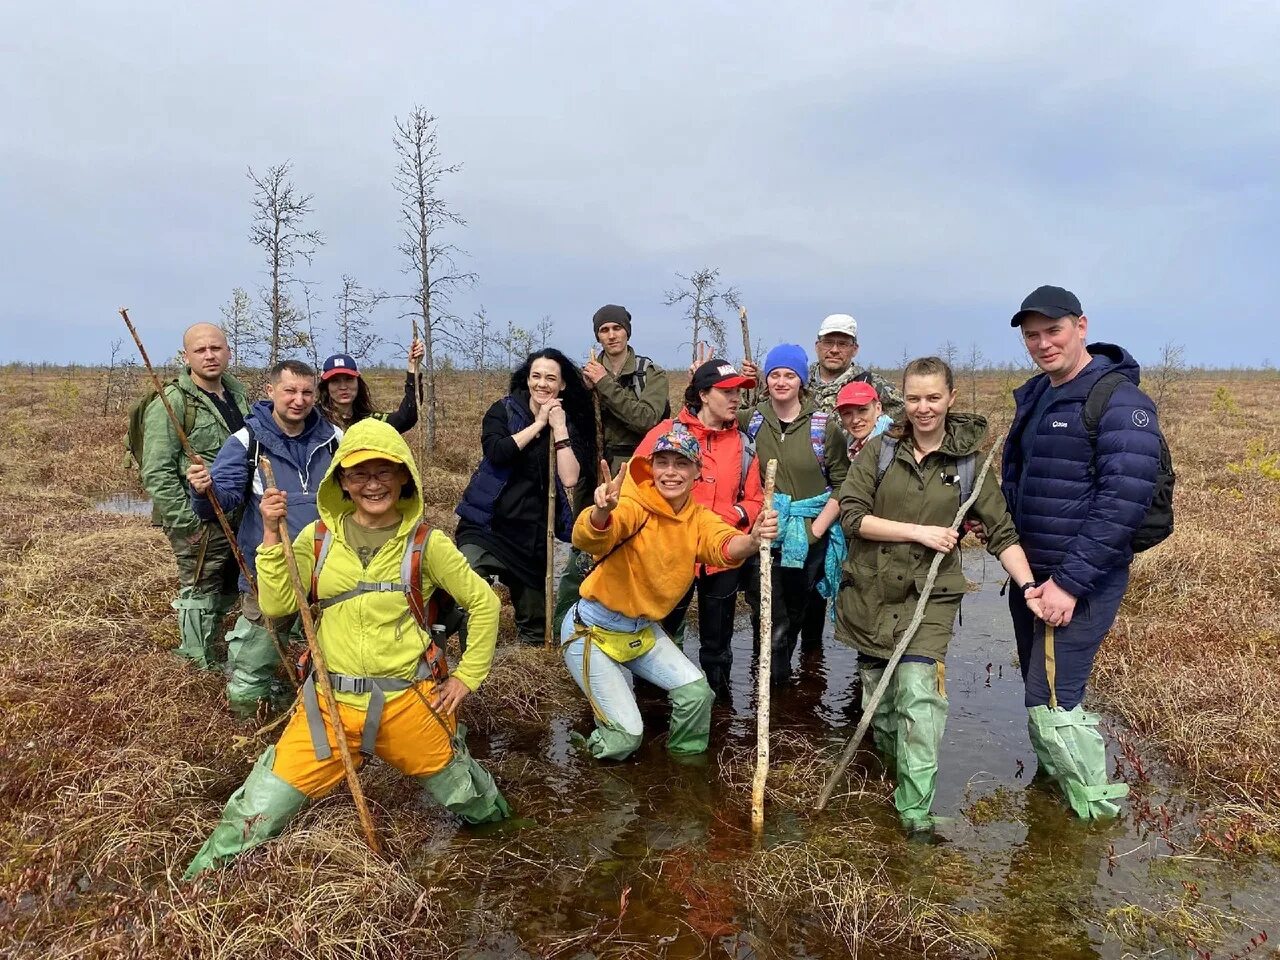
pixel 1117 358
pixel 700 429
pixel 639 486
pixel 964 434
pixel 369 434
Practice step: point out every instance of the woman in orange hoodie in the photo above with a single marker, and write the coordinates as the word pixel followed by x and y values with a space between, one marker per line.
pixel 730 486
pixel 647 538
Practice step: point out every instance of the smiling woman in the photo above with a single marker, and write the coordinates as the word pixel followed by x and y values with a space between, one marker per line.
pixel 503 527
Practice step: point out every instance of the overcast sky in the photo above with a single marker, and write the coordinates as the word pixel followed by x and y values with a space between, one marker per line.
pixel 921 166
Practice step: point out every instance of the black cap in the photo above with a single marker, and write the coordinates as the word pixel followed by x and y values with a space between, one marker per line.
pixel 719 373
pixel 1051 302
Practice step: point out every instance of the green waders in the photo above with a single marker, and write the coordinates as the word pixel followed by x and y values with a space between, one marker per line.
pixel 884 726
pixel 920 710
pixel 690 717
pixel 199 616
pixel 464 787
pixel 256 812
pixel 252 660
pixel 1071 750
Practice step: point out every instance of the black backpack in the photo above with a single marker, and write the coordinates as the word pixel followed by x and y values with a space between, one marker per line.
pixel 637 382
pixel 1158 523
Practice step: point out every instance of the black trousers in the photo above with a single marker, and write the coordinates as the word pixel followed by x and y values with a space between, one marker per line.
pixel 717 600
pixel 792 589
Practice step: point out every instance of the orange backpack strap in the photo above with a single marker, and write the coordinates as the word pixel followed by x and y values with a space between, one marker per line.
pixel 411 575
pixel 320 550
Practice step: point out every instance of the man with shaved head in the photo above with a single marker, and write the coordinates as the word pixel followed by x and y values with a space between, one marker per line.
pixel 211 404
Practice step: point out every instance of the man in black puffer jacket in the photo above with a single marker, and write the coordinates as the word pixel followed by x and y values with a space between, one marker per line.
pixel 1076 504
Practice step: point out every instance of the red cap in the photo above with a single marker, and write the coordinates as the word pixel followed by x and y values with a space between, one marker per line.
pixel 856 394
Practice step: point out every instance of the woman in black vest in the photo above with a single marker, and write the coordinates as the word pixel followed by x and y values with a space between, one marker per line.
pixel 503 527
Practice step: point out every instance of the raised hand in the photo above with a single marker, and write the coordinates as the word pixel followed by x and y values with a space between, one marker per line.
pixel 749 369
pixel 593 371
pixel 702 352
pixel 606 496
pixel 555 414
pixel 416 351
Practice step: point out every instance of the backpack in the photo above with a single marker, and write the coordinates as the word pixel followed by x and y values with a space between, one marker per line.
pixel 135 437
pixel 966 467
pixel 1158 522
pixel 637 382
pixel 817 436
pixel 748 454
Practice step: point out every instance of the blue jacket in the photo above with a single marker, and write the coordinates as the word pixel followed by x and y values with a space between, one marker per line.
pixel 1075 518
pixel 299 464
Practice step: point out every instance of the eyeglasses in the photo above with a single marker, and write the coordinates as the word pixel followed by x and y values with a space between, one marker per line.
pixel 360 477
pixel 843 343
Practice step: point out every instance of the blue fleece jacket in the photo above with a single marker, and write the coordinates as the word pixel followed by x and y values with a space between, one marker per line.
pixel 1076 513
pixel 299 464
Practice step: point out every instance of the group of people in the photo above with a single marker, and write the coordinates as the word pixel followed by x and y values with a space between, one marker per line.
pixel 659 509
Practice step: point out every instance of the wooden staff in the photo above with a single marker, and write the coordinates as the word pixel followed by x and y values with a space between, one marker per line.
pixel 916 618
pixel 321 671
pixel 766 663
pixel 549 598
pixel 746 334
pixel 417 402
pixel 190 452
pixel 595 402
pixel 211 495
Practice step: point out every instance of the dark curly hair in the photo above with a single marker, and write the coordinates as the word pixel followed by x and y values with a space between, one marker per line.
pixel 576 400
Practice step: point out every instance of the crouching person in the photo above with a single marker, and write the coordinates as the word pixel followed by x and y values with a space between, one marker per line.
pixel 649 535
pixel 374 568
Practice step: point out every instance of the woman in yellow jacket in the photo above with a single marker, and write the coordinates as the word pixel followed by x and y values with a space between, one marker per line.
pixel 388 675
pixel 648 535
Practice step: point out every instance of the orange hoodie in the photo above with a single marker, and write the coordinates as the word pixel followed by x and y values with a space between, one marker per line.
pixel 657 549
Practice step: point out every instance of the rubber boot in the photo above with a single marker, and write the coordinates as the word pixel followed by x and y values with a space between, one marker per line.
pixel 718 679
pixel 252 660
pixel 690 717
pixel 256 812
pixel 1045 767
pixel 1078 756
pixel 921 716
pixel 884 727
pixel 198 617
pixel 465 788
pixel 612 743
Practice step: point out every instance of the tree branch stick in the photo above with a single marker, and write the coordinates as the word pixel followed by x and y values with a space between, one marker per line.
pixel 916 618
pixel 549 598
pixel 321 669
pixel 595 402
pixel 746 334
pixel 417 400
pixel 766 664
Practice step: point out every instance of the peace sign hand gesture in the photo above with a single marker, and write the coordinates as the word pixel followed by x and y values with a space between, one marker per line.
pixel 606 496
pixel 702 352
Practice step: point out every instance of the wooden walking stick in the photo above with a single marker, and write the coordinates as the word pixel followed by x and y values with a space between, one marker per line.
pixel 321 670
pixel 212 495
pixel 916 618
pixel 549 598
pixel 746 334
pixel 766 663
pixel 595 402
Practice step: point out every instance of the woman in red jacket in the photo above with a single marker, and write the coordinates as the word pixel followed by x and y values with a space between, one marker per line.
pixel 729 485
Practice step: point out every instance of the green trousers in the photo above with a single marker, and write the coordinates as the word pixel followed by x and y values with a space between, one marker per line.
pixel 207 574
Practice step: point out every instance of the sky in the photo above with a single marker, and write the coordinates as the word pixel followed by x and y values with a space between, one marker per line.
pixel 921 166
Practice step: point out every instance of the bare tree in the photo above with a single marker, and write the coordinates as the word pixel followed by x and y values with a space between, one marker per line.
pixel 544 331
pixel 1160 379
pixel 310 326
pixel 704 298
pixel 120 377
pixel 473 340
pixel 353 320
pixel 243 332
pixel 424 215
pixel 518 343
pixel 973 363
pixel 950 353
pixel 278 214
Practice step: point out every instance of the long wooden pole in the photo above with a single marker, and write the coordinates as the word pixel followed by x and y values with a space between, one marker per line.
pixel 212 495
pixel 766 663
pixel 549 598
pixel 595 402
pixel 321 671
pixel 746 334
pixel 917 617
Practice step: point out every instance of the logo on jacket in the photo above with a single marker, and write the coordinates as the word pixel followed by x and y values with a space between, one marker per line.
pixel 1059 423
pixel 1140 418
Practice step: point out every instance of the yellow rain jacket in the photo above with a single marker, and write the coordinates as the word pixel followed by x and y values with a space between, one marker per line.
pixel 654 550
pixel 374 635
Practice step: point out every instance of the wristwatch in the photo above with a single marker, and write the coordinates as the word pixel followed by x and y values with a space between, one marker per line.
pixel 1027 586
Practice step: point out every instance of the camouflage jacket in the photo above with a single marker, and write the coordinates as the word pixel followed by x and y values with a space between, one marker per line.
pixel 823 394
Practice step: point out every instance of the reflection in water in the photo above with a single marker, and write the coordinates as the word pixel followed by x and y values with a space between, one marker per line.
pixel 127 503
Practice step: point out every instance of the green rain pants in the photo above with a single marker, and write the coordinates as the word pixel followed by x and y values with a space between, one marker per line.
pixel 1070 749
pixel 884 726
pixel 464 787
pixel 256 812
pixel 920 712
pixel 199 616
pixel 252 658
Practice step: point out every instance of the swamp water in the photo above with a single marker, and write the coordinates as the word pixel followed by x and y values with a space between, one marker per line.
pixel 654 856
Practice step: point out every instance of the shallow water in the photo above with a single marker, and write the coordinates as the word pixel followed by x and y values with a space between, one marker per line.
pixel 632 858
pixel 127 503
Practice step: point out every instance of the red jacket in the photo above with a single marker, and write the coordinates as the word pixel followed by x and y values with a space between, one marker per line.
pixel 721 480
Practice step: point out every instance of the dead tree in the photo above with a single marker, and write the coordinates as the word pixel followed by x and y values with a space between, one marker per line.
pixel 704 299
pixel 473 340
pixel 278 214
pixel 243 332
pixel 544 331
pixel 353 320
pixel 424 215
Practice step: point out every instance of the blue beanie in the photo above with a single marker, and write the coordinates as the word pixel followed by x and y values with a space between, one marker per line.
pixel 790 356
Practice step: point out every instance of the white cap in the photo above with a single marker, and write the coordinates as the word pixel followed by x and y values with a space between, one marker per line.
pixel 839 323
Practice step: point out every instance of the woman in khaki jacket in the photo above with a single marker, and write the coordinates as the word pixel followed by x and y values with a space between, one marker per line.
pixel 896 506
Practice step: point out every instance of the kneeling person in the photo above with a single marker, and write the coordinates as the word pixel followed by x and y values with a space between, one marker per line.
pixel 395 696
pixel 649 537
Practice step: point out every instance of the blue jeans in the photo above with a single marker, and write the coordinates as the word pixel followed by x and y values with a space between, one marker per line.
pixel 664 665
pixel 1075 646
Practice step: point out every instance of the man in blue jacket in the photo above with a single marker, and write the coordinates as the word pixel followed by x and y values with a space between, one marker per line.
pixel 299 442
pixel 1076 504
